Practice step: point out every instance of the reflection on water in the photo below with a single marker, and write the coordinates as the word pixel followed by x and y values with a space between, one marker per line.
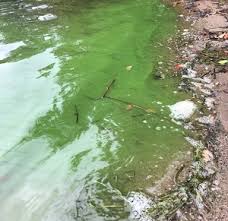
pixel 65 153
pixel 24 96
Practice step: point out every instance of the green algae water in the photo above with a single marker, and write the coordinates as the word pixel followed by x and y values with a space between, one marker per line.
pixel 83 120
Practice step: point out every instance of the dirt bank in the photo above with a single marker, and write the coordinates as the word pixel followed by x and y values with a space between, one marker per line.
pixel 206 50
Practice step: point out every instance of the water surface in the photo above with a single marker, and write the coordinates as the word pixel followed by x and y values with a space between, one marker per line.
pixel 65 152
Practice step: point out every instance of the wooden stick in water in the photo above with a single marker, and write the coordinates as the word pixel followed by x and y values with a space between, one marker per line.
pixel 134 105
pixel 108 88
pixel 76 113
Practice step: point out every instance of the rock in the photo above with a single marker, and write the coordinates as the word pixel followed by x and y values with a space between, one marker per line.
pixel 207 155
pixel 139 203
pixel 212 22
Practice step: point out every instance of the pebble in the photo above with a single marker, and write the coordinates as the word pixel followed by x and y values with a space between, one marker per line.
pixel 216 182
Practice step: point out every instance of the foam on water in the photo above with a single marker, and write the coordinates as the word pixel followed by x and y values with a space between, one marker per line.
pixel 182 110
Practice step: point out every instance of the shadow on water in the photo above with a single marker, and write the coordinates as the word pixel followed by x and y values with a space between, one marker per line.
pixel 66 155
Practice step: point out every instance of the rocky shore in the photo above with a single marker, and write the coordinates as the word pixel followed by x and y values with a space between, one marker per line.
pixel 203 68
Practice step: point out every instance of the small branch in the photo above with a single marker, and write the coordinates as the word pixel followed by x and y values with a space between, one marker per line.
pixel 108 88
pixel 92 98
pixel 104 95
pixel 128 103
pixel 203 75
pixel 138 115
pixel 76 113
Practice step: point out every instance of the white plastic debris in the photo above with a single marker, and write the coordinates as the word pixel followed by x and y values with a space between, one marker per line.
pixel 47 17
pixel 182 110
pixel 39 7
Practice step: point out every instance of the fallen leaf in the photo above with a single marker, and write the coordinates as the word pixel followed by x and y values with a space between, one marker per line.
pixel 128 68
pixel 224 36
pixel 129 107
pixel 207 155
pixel 223 62
pixel 150 110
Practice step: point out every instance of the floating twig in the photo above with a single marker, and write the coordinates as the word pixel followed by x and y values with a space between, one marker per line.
pixel 76 113
pixel 78 207
pixel 92 98
pixel 108 88
pixel 147 110
pixel 138 115
pixel 130 174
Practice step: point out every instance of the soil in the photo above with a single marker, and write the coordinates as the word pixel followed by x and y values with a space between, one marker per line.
pixel 207 48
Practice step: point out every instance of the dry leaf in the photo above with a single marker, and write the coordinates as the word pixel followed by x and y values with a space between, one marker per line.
pixel 150 110
pixel 179 66
pixel 128 68
pixel 225 36
pixel 129 107
pixel 207 155
pixel 223 62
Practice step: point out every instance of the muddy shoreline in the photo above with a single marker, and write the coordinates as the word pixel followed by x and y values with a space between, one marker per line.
pixel 203 67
